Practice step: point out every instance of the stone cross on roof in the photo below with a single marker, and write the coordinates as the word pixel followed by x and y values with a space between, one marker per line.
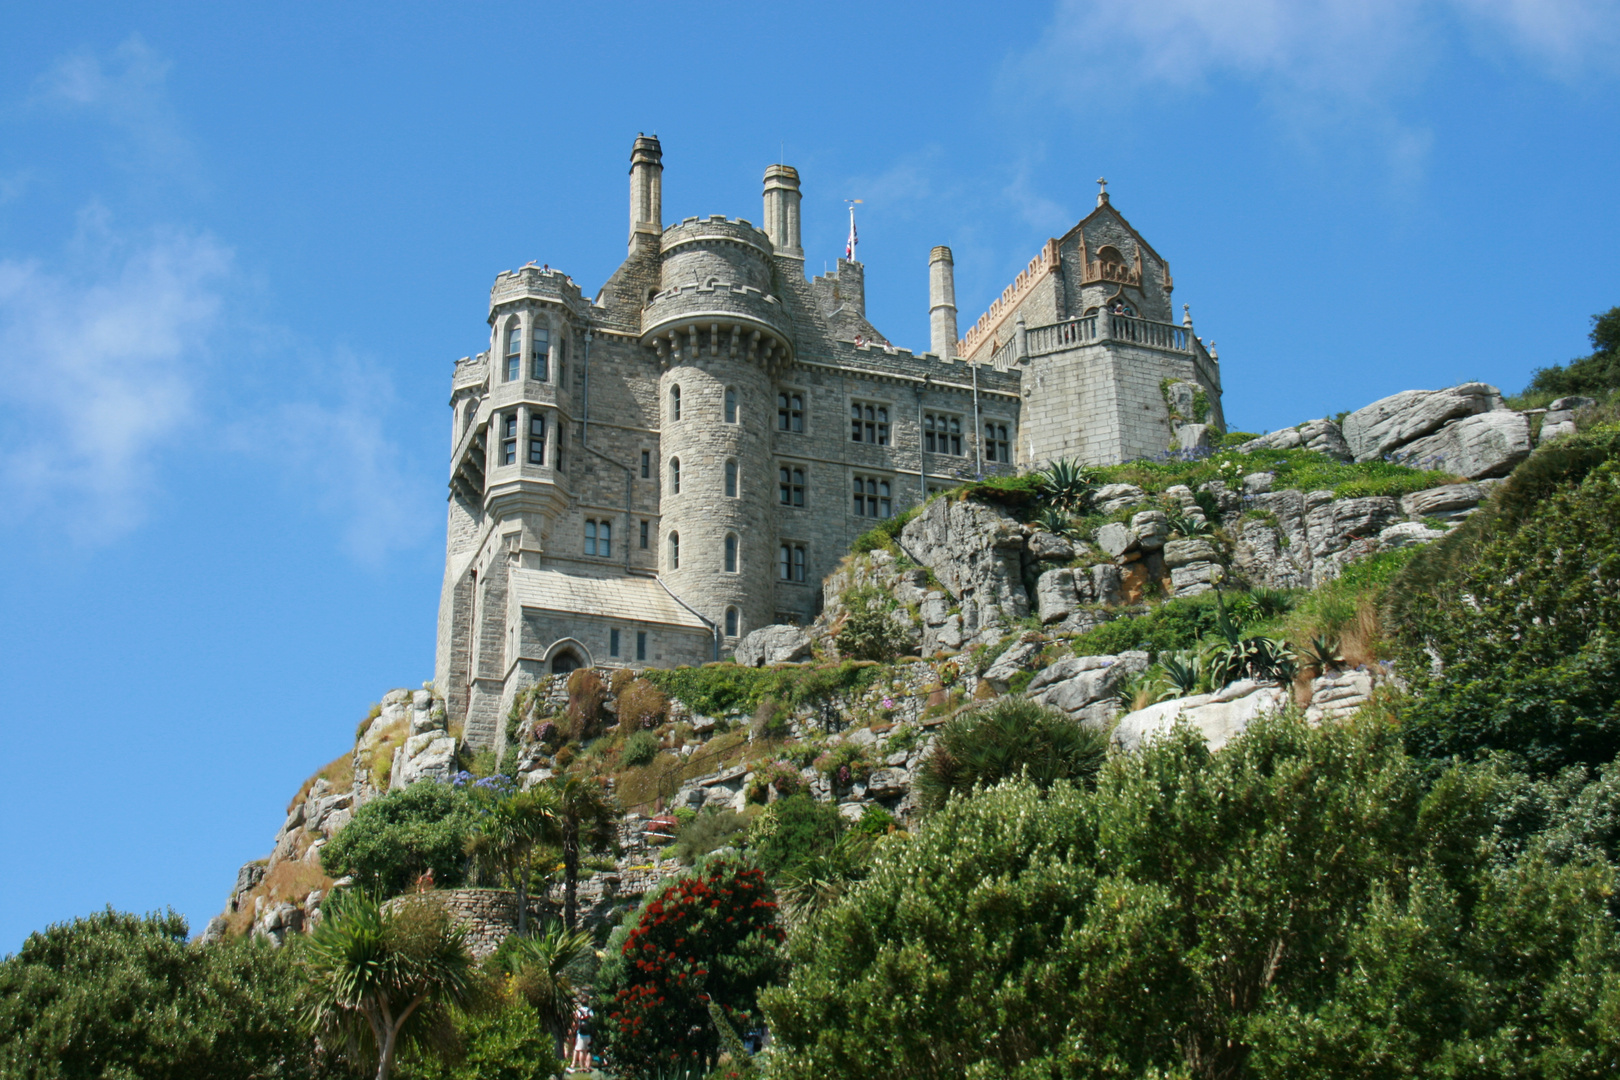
pixel 1102 191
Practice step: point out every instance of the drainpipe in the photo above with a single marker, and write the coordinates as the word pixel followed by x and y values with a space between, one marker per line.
pixel 978 448
pixel 585 441
pixel 922 453
pixel 714 627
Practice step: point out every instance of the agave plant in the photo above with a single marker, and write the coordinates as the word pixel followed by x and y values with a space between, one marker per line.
pixel 1270 603
pixel 1187 525
pixel 1057 522
pixel 1258 657
pixel 1067 485
pixel 1183 674
pixel 1320 655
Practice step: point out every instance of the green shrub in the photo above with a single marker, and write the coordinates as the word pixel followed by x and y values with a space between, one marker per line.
pixel 722 689
pixel 397 837
pixel 709 831
pixel 845 764
pixel 771 720
pixel 869 630
pixel 1012 737
pixel 876 821
pixel 641 705
pixel 791 830
pixel 1594 375
pixel 639 749
pixel 884 534
pixel 1169 627
pixel 1299 904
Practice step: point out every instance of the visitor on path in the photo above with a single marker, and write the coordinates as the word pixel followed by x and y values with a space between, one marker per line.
pixel 582 1038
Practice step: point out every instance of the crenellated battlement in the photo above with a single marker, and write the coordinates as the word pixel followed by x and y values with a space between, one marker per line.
pixel 536 283
pixel 1040 267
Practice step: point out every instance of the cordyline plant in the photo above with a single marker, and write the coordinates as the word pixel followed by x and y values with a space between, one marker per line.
pixel 391 972
pixel 709 937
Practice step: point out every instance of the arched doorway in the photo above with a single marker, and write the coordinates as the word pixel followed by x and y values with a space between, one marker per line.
pixel 565 661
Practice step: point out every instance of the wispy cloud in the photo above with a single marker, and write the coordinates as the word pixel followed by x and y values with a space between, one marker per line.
pixel 99 370
pixel 338 450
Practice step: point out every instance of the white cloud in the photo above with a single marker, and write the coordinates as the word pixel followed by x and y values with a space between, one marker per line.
pixel 99 369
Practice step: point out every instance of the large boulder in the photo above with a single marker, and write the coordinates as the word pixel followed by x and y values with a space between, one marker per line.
pixel 1446 501
pixel 1151 529
pixel 1112 497
pixel 1185 552
pixel 776 644
pixel 1332 526
pixel 429 756
pixel 1489 444
pixel 1390 423
pixel 1086 687
pixel 1219 717
pixel 1322 436
pixel 976 553
pixel 1055 595
pixel 1116 539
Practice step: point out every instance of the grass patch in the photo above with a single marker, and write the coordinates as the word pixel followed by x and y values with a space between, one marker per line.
pixel 731 689
pixel 339 773
pixel 1297 470
pixel 883 535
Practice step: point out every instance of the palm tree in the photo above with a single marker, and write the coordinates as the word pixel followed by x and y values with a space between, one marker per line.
pixel 511 826
pixel 587 819
pixel 394 970
pixel 539 970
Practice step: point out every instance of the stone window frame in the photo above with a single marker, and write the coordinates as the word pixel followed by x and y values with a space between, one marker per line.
pixel 540 363
pixel 613 641
pixel 999 436
pixel 731 559
pixel 949 441
pixel 646 464
pixel 641 644
pixel 512 358
pixel 599 538
pixel 674 402
pixel 674 549
pixel 729 409
pixel 787 414
pixel 733 481
pixel 870 418
pixel 792 485
pixel 873 496
pixel 675 475
pixel 646 527
pixel 733 621
pixel 792 562
pixel 509 437
pixel 537 438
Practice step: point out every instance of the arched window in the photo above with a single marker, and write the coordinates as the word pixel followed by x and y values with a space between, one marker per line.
pixel 731 622
pixel 564 662
pixel 731 479
pixel 514 350
pixel 731 405
pixel 731 553
pixel 675 402
pixel 675 476
pixel 540 355
pixel 674 551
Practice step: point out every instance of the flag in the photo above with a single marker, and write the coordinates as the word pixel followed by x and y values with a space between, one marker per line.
pixel 849 248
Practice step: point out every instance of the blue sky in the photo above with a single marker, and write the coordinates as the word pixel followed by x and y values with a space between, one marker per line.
pixel 241 246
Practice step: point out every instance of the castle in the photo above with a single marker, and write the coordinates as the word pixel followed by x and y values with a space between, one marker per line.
pixel 643 477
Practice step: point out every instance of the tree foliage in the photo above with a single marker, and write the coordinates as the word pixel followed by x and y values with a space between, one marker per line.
pixel 1510 626
pixel 397 837
pixel 118 995
pixel 1594 374
pixel 791 831
pixel 709 936
pixel 1298 904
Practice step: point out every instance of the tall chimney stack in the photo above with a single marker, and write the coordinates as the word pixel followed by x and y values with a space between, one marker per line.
pixel 646 191
pixel 942 303
pixel 782 210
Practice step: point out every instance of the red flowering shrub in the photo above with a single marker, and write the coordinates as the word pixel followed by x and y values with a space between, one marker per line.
pixel 710 935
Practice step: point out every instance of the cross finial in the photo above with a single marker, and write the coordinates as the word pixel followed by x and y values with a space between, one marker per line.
pixel 1102 190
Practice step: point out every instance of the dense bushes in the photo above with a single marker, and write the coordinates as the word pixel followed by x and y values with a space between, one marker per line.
pixel 1298 904
pixel 1594 374
pixel 726 689
pixel 397 837
pixel 869 630
pixel 1510 627
pixel 793 830
pixel 116 995
pixel 711 935
pixel 1011 738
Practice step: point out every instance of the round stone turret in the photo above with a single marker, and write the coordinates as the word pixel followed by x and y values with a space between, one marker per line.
pixel 716 295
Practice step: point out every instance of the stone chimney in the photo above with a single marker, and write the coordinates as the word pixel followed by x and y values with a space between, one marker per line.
pixel 782 210
pixel 942 303
pixel 646 192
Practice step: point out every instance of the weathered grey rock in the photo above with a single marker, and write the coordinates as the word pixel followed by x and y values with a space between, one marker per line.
pixel 214 931
pixel 427 756
pixel 1112 497
pixel 1322 497
pixel 1321 436
pixel 935 609
pixel 1151 528
pixel 1055 594
pixel 1191 437
pixel 1084 687
pixel 911 586
pixel 1336 695
pixel 887 783
pixel 1194 578
pixel 295 818
pixel 1218 717
pixel 950 632
pixel 1183 495
pixel 976 553
pixel 1107 584
pixel 1331 527
pixel 247 879
pixel 1050 547
pixel 1565 408
pixel 422 699
pixel 317 811
pixel 397 697
pixel 1489 444
pixel 1226 500
pixel 1258 483
pixel 1407 534
pixel 1015 659
pixel 1449 500
pixel 1115 539
pixel 1390 423
pixel 1555 430
pixel 1272 550
pixel 1188 550
pixel 334 822
pixel 1182 398
pixel 776 644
